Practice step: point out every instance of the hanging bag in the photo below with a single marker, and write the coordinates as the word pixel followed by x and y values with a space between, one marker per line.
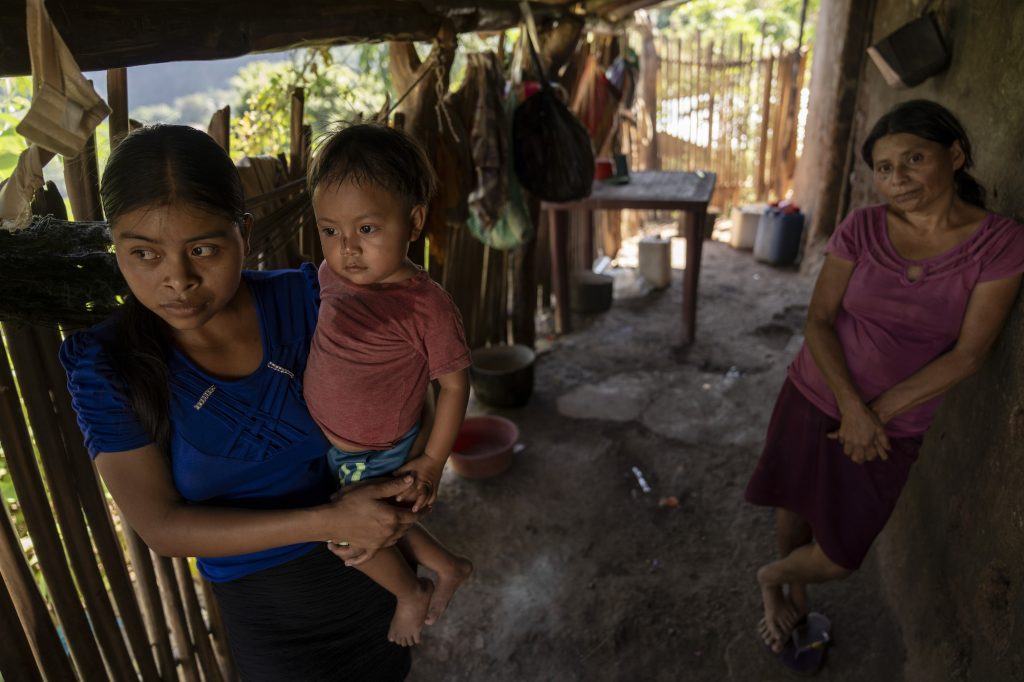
pixel 553 155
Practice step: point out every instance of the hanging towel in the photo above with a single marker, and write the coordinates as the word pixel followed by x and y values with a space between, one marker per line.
pixel 65 107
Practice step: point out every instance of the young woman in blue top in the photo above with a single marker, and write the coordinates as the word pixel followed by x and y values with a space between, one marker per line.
pixel 190 400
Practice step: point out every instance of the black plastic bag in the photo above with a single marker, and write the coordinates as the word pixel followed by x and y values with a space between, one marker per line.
pixel 554 159
pixel 553 156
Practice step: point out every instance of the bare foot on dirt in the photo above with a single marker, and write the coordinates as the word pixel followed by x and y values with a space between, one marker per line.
pixel 409 614
pixel 797 594
pixel 448 581
pixel 780 615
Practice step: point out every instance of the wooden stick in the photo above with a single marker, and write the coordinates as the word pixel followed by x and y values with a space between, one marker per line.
pixel 16 662
pixel 31 616
pixel 117 98
pixel 220 633
pixel 95 507
pixel 560 270
pixel 39 519
pixel 175 610
pixel 82 179
pixel 295 167
pixel 35 392
pixel 196 623
pixel 152 604
pixel 762 147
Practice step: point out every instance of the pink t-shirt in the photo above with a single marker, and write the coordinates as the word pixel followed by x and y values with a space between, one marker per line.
pixel 890 327
pixel 375 349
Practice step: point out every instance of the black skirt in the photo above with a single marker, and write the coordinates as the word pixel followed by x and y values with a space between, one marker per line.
pixel 308 620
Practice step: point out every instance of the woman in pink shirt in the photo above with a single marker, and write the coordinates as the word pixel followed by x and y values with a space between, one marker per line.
pixel 912 295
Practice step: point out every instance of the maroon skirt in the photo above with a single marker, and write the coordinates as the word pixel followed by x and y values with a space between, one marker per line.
pixel 803 471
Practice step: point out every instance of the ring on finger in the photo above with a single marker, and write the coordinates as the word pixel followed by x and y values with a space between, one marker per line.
pixel 340 543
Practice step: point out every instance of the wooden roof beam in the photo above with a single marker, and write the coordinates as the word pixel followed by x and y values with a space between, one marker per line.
pixel 105 34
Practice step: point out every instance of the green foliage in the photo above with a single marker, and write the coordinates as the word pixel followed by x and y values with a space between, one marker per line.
pixel 777 20
pixel 15 96
pixel 340 84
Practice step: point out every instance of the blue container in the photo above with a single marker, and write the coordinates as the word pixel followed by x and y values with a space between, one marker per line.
pixel 778 237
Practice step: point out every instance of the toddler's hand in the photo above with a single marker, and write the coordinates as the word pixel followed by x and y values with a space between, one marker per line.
pixel 426 473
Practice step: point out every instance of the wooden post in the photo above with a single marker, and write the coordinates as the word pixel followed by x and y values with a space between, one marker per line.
pixel 696 107
pixel 117 98
pixel 524 282
pixel 709 158
pixel 587 219
pixel 766 107
pixel 777 124
pixel 792 123
pixel 220 128
pixel 82 179
pixel 650 68
pixel 295 167
pixel 693 229
pixel 560 270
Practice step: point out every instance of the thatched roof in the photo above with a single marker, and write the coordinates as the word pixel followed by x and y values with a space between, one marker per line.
pixel 106 34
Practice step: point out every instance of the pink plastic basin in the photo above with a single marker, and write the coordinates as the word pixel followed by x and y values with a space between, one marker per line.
pixel 483 447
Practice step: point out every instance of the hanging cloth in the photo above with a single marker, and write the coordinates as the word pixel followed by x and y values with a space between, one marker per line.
pixel 65 107
pixel 511 228
pixel 596 102
pixel 16 191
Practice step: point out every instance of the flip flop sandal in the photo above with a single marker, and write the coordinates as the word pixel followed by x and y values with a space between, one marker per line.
pixel 805 651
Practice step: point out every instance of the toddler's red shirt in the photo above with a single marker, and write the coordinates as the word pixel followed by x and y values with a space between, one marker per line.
pixel 375 349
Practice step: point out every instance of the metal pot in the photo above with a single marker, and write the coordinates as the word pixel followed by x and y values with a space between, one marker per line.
pixel 502 376
pixel 590 292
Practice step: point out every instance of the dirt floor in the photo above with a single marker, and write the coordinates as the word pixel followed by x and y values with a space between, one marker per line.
pixel 580 574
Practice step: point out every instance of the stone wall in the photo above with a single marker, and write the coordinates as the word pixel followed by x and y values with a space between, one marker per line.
pixel 952 556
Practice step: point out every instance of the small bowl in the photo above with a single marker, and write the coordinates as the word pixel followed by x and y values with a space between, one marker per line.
pixel 483 447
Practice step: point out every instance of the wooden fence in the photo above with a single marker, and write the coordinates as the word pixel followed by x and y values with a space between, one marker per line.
pixel 729 108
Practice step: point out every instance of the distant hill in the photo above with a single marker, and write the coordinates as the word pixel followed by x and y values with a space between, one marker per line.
pixel 164 83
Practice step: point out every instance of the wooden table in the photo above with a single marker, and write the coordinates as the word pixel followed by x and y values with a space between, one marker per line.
pixel 665 190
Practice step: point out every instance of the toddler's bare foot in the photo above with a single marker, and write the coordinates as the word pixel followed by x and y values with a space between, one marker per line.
pixel 409 614
pixel 448 580
pixel 780 616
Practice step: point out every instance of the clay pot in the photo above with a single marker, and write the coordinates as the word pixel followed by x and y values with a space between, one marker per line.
pixel 483 447
pixel 502 376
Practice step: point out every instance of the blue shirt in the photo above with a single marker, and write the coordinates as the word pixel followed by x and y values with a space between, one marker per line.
pixel 246 442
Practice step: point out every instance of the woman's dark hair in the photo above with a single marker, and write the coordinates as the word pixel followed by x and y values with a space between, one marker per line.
pixel 934 122
pixel 158 166
pixel 374 153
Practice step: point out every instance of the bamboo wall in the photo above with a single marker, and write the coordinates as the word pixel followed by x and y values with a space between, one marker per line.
pixel 110 608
